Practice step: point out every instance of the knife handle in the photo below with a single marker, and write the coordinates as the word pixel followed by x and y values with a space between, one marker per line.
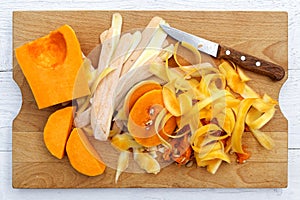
pixel 252 63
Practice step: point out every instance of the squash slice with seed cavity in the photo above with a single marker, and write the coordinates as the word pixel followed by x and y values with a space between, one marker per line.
pixel 142 117
pixel 51 65
pixel 137 91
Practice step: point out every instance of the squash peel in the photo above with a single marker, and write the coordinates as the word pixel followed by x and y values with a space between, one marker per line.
pixel 215 104
pixel 240 124
pixel 170 100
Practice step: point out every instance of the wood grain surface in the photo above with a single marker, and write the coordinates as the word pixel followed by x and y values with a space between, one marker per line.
pixel 262 34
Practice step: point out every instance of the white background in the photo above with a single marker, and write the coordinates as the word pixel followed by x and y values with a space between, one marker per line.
pixel 10 100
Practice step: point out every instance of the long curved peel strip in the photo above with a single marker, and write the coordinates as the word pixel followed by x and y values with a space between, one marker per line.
pixel 240 125
pixel 123 162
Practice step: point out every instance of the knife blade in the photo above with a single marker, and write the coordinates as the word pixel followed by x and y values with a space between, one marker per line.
pixel 248 62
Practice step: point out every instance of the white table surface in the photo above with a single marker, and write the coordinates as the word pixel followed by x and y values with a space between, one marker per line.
pixel 10 100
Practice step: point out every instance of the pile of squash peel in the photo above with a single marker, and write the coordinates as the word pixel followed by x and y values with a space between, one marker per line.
pixel 212 108
pixel 154 111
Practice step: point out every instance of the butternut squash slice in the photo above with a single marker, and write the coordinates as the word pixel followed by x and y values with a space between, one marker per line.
pixel 82 156
pixel 57 131
pixel 51 65
pixel 142 117
pixel 137 91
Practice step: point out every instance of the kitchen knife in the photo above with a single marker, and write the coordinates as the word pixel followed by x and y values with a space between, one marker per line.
pixel 244 60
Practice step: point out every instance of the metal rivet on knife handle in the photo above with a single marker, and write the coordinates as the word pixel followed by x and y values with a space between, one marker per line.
pixel 257 64
pixel 252 63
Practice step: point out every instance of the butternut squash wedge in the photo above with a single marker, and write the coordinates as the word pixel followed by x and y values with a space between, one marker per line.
pixel 51 65
pixel 82 155
pixel 142 117
pixel 57 131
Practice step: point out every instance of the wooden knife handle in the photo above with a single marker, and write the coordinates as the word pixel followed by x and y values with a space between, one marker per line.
pixel 252 63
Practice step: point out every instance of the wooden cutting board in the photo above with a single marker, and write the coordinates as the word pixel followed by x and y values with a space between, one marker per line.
pixel 262 34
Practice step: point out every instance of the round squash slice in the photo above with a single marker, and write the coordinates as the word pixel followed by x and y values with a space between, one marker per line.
pixel 142 117
pixel 137 91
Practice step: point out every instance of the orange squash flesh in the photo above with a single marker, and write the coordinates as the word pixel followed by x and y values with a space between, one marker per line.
pixel 51 65
pixel 82 156
pixel 141 119
pixel 57 131
pixel 137 91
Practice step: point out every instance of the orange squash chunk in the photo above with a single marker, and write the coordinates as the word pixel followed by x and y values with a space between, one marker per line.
pixel 51 65
pixel 137 91
pixel 82 155
pixel 57 131
pixel 142 117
